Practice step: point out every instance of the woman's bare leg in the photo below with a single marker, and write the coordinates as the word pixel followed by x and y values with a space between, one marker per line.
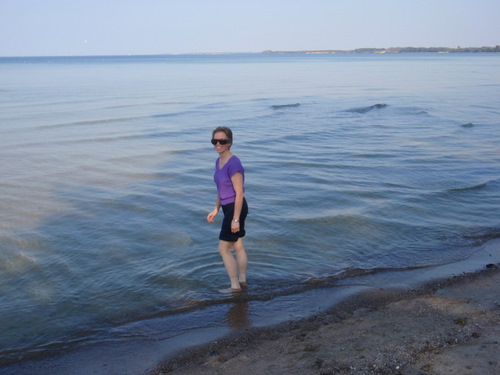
pixel 242 260
pixel 229 263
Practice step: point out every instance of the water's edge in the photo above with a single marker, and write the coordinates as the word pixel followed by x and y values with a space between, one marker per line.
pixel 137 347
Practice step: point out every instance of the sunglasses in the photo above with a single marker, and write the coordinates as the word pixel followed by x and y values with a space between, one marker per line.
pixel 221 141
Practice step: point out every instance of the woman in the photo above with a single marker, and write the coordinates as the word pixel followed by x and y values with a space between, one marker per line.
pixel 229 177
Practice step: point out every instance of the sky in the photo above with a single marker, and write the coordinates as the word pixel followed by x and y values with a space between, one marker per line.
pixel 137 27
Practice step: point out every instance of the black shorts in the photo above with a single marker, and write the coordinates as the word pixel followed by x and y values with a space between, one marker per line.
pixel 225 232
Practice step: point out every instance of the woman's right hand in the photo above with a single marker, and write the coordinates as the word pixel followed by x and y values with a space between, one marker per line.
pixel 211 215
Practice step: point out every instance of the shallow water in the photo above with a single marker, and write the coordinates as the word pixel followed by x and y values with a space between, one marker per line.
pixel 355 164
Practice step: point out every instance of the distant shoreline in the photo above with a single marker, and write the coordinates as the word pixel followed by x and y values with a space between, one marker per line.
pixel 391 50
pixel 495 49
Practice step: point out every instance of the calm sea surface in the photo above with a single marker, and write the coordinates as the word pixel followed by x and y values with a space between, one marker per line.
pixel 354 164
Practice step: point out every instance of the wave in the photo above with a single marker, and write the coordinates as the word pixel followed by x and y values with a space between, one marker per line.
pixel 352 273
pixel 91 122
pixel 277 288
pixel 483 236
pixel 282 106
pixel 474 187
pixel 274 289
pixel 142 104
pixel 174 114
pixel 467 188
pixel 412 111
pixel 94 139
pixel 362 110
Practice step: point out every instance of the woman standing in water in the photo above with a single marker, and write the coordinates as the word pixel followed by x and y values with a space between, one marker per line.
pixel 229 177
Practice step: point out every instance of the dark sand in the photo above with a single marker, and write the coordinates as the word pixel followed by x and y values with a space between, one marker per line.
pixel 447 327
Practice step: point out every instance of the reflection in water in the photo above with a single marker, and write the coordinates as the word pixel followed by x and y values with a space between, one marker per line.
pixel 237 315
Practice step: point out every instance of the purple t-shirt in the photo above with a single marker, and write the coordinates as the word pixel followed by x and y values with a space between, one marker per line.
pixel 222 178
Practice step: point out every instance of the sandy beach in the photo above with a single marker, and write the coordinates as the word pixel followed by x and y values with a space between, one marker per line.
pixel 446 327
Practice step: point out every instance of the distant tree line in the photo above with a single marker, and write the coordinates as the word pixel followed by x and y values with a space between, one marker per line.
pixel 403 50
pixel 440 49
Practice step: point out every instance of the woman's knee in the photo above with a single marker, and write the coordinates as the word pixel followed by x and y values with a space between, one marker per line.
pixel 238 245
pixel 224 247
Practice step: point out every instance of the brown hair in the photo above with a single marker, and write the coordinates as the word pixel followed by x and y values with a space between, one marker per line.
pixel 228 132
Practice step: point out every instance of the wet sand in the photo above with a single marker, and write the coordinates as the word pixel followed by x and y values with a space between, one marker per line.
pixel 445 327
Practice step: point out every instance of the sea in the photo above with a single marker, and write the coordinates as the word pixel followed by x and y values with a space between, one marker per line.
pixel 358 167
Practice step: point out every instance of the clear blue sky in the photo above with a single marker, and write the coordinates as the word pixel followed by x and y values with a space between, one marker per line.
pixel 110 27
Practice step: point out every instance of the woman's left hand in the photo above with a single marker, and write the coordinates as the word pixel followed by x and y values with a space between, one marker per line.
pixel 235 226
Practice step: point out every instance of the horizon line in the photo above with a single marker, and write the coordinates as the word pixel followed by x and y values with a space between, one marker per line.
pixel 311 51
